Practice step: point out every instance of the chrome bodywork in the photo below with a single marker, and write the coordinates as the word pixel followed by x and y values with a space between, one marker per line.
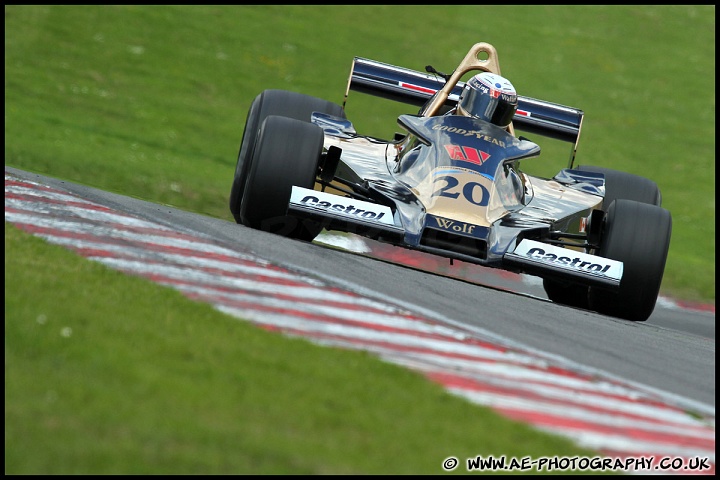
pixel 453 183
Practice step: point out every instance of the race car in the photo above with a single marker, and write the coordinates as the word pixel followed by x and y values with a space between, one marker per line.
pixel 451 184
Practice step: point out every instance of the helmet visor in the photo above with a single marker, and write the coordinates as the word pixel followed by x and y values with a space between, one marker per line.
pixel 489 104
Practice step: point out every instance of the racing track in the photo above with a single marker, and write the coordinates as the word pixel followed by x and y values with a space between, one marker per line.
pixel 673 366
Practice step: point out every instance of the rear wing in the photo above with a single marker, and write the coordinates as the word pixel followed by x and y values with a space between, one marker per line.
pixel 417 88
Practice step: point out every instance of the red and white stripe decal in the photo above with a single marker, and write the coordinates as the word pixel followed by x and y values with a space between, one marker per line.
pixel 410 86
pixel 606 415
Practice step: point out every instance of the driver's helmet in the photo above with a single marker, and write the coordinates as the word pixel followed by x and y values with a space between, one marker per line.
pixel 489 97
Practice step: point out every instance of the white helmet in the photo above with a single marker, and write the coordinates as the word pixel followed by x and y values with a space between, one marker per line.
pixel 489 97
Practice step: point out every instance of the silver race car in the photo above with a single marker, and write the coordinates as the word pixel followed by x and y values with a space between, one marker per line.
pixel 451 184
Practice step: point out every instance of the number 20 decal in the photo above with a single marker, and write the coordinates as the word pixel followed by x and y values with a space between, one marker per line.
pixel 469 191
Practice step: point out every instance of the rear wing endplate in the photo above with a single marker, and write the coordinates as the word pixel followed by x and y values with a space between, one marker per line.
pixel 418 88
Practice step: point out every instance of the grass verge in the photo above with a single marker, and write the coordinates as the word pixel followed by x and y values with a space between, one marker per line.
pixel 107 373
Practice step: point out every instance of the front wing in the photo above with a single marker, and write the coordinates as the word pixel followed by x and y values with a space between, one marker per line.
pixel 526 255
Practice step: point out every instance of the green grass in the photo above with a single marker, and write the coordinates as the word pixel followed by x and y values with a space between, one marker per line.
pixel 107 373
pixel 151 102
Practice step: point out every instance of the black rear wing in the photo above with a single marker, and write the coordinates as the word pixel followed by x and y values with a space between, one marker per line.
pixel 417 88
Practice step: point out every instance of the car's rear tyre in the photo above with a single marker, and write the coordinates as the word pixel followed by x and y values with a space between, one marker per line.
pixel 626 186
pixel 637 234
pixel 618 185
pixel 287 152
pixel 272 102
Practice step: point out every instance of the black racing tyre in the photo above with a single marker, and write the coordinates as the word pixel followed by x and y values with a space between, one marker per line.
pixel 566 293
pixel 618 185
pixel 287 153
pixel 272 102
pixel 627 186
pixel 637 234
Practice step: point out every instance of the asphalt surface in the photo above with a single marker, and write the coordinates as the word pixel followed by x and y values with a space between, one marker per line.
pixel 672 354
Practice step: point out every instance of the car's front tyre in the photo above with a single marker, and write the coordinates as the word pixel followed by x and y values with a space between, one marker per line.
pixel 287 153
pixel 637 234
pixel 272 102
pixel 618 185
pixel 566 293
